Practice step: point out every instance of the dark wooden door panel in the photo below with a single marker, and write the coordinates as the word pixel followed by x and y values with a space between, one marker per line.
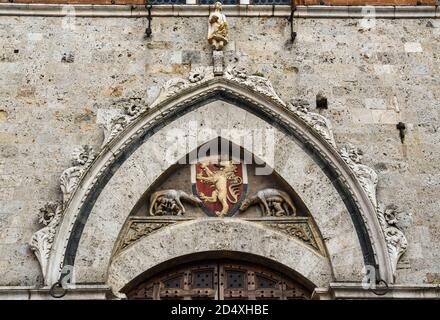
pixel 219 280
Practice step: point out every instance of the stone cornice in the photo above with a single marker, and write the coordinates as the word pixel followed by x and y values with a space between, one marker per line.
pixel 335 291
pixel 85 10
pixel 398 291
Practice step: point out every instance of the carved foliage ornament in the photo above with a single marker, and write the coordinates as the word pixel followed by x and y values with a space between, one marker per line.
pixel 50 215
pixel 318 122
pixel 132 108
pixel 367 177
pixel 42 240
pixel 395 238
pixel 69 180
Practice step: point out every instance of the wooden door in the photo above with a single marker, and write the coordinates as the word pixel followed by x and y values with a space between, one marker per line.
pixel 219 280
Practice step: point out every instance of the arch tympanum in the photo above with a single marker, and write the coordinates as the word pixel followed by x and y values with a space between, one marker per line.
pixel 134 158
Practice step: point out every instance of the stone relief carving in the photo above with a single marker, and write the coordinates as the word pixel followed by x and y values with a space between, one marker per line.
pixel 223 192
pixel 175 85
pixel 259 84
pixel 139 229
pixel 132 108
pixel 318 122
pixel 395 238
pixel 81 158
pixel 169 202
pixel 50 215
pixel 366 176
pixel 301 231
pixel 273 203
pixel 42 240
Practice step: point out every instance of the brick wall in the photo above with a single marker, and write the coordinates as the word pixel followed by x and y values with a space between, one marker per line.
pixel 300 2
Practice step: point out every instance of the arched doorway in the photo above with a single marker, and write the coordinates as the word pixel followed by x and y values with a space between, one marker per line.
pixel 219 280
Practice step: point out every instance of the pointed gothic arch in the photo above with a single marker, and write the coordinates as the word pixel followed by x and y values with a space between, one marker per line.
pixel 255 96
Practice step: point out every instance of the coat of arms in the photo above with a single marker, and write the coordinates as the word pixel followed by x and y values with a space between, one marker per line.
pixel 221 185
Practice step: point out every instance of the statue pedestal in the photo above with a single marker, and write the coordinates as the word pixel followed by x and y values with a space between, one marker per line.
pixel 217 57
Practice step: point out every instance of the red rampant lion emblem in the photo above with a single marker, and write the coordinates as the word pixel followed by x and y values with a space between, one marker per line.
pixel 220 185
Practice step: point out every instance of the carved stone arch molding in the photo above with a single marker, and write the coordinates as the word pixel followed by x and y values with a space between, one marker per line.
pixel 101 193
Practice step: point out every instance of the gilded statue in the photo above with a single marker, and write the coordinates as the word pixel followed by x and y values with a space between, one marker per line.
pixel 218 28
pixel 223 192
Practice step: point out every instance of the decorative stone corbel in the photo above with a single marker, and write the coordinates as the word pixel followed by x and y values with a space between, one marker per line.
pixel 318 122
pixel 366 176
pixel 69 180
pixel 394 237
pixel 42 240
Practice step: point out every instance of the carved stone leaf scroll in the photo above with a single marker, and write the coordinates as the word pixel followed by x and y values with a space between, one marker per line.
pixel 259 84
pixel 395 238
pixel 69 180
pixel 42 240
pixel 318 122
pixel 132 108
pixel 367 177
pixel 50 215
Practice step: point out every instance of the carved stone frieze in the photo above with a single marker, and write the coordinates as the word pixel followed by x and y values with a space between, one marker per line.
pixel 366 176
pixel 42 240
pixel 394 237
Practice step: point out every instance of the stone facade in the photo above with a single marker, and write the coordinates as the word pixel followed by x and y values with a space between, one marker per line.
pixel 62 79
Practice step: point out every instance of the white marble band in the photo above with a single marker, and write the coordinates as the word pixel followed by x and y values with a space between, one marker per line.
pixel 81 10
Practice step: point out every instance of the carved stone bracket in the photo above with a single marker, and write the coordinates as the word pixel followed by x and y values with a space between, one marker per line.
pixel 217 59
pixel 395 238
